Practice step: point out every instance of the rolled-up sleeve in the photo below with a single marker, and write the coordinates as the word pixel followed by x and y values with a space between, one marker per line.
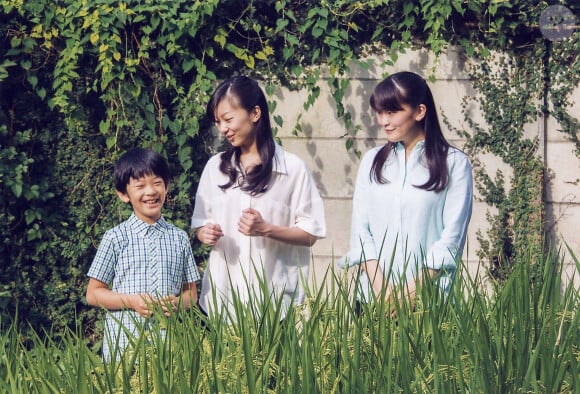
pixel 202 212
pixel 309 215
pixel 457 209
pixel 362 245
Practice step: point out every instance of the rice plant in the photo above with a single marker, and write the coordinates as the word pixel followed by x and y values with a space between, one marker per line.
pixel 524 337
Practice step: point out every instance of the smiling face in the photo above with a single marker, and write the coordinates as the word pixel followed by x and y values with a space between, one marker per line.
pixel 237 124
pixel 403 125
pixel 147 196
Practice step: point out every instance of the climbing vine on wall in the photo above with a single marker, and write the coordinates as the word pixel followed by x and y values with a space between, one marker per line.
pixel 509 95
pixel 518 90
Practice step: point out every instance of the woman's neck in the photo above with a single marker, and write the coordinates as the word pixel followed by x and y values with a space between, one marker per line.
pixel 250 157
pixel 409 146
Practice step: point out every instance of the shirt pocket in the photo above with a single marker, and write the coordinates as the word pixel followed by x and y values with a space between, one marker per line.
pixel 275 212
pixel 130 268
pixel 171 264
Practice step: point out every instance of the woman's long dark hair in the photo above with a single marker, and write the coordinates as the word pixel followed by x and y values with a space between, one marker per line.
pixel 246 93
pixel 411 89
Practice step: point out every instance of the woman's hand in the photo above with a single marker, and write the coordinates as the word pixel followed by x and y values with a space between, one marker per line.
pixel 252 224
pixel 377 279
pixel 209 233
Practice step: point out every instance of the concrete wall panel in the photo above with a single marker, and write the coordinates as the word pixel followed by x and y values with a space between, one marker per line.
pixel 563 173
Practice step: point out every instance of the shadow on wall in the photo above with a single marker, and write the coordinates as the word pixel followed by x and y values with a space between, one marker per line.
pixel 318 168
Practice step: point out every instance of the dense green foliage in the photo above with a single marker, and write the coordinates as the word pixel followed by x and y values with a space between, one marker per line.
pixel 523 339
pixel 80 82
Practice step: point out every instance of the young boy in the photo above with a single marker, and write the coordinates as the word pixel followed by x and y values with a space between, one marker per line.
pixel 143 262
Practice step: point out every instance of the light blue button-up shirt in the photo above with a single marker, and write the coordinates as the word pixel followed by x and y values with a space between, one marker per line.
pixel 406 228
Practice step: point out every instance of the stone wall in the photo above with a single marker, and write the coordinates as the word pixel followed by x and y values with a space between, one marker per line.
pixel 321 145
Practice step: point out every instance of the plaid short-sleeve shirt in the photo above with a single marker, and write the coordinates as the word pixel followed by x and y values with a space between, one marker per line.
pixel 135 257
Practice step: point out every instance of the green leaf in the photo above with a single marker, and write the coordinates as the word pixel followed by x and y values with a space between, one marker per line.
pixel 220 39
pixel 111 141
pixel 287 52
pixel 26 64
pixel 15 42
pixel 104 126
pixel 188 65
pixel 317 32
pixel 349 144
pixel 281 24
pixel 30 216
pixel 16 189
pixel 278 120
pixel 32 80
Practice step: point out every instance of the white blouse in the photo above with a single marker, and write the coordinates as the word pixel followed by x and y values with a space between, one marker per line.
pixel 239 263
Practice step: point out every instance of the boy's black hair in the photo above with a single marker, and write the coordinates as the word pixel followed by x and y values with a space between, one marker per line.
pixel 137 163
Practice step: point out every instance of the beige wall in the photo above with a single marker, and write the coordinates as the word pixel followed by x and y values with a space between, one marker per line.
pixel 321 146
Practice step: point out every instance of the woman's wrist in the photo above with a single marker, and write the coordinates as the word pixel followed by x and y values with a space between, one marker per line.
pixel 197 233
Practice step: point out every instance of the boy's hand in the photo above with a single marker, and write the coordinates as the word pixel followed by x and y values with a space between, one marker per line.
pixel 169 304
pixel 141 303
pixel 144 304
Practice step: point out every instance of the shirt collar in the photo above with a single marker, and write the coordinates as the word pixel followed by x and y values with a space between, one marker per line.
pixel 399 145
pixel 279 163
pixel 142 228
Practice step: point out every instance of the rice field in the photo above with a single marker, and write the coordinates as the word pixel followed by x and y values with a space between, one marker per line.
pixel 522 338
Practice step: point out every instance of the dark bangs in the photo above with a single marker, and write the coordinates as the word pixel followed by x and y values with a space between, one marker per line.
pixel 138 163
pixel 387 97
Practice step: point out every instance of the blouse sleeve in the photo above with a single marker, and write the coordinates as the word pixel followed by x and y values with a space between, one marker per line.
pixel 362 246
pixel 456 215
pixel 202 211
pixel 310 215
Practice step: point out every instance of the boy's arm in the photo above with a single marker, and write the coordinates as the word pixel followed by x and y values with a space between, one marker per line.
pixel 99 294
pixel 189 295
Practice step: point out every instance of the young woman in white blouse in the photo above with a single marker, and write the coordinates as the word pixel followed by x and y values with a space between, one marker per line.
pixel 413 196
pixel 256 205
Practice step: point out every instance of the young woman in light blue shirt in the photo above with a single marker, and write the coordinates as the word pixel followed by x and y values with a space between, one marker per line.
pixel 413 196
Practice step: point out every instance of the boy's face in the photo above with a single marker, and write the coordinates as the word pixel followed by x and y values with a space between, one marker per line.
pixel 146 195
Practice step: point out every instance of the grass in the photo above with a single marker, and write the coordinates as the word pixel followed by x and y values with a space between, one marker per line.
pixel 524 337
